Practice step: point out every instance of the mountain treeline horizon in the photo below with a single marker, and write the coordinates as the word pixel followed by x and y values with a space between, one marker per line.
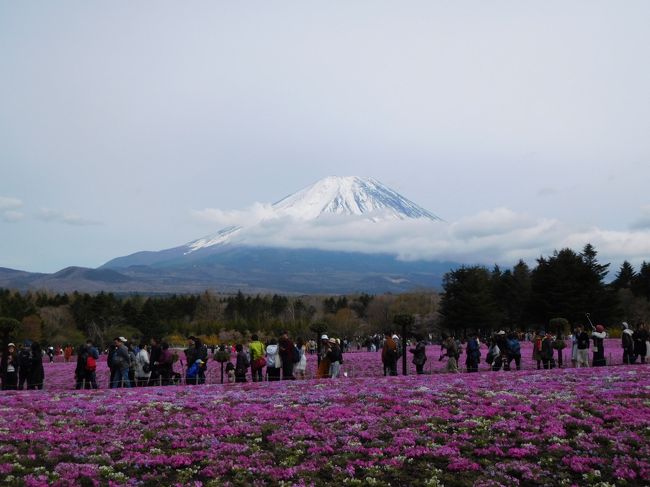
pixel 565 285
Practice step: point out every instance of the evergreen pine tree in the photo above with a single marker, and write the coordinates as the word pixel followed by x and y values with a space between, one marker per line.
pixel 624 277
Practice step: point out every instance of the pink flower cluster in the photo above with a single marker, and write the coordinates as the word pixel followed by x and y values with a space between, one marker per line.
pixel 559 427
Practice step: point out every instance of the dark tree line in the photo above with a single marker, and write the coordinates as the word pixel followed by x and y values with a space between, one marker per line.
pixel 564 285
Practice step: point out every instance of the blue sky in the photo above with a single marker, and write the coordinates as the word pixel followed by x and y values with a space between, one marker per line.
pixel 523 124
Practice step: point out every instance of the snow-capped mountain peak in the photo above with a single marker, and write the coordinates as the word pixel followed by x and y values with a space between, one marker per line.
pixel 349 196
pixel 334 195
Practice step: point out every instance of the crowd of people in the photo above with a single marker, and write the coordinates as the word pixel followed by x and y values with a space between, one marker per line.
pixel 504 349
pixel 153 363
pixel 22 368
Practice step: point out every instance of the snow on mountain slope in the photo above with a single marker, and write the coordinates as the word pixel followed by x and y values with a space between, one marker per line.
pixel 349 196
pixel 331 196
pixel 222 236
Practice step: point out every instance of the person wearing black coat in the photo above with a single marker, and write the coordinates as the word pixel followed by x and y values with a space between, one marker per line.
pixel 640 338
pixel 419 355
pixel 242 364
pixel 286 347
pixel 196 351
pixel 36 376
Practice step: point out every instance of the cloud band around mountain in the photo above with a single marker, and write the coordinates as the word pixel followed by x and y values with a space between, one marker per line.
pixel 499 235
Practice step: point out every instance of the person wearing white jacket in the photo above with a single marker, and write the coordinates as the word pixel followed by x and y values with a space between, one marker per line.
pixel 273 361
pixel 598 337
pixel 142 367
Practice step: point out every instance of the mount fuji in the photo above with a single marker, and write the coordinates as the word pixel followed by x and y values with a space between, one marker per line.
pixel 312 241
pixel 331 197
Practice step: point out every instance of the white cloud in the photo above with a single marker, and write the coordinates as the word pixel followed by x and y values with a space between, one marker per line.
pixel 251 216
pixel 12 216
pixel 56 216
pixel 8 209
pixel 8 203
pixel 495 236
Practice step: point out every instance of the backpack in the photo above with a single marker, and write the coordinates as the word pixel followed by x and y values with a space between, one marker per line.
pixel 193 371
pixel 295 355
pixel 515 347
pixel 91 363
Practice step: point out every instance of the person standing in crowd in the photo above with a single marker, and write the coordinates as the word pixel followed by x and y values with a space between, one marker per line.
pixel 258 362
pixel 451 352
pixel 112 364
pixel 36 377
pixel 67 353
pixel 598 336
pixel 574 349
pixel 133 354
pixel 273 361
pixel 548 359
pixel 242 363
pixel 80 370
pixel 9 368
pixel 287 355
pixel 627 342
pixel 582 339
pixel 641 337
pixel 334 355
pixel 142 366
pixel 473 353
pixel 24 364
pixel 493 357
pixel 91 364
pixel 50 353
pixel 154 362
pixel 537 349
pixel 513 351
pixel 559 344
pixel 389 355
pixel 120 364
pixel 419 355
pixel 324 365
pixel 196 351
pixel 300 368
pixel 166 364
pixel 502 360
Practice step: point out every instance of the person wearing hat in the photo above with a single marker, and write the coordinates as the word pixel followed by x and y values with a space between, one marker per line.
pixel 598 336
pixel 120 364
pixel 9 368
pixel 334 356
pixel 389 355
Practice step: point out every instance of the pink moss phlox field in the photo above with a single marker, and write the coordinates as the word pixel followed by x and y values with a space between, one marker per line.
pixel 558 427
